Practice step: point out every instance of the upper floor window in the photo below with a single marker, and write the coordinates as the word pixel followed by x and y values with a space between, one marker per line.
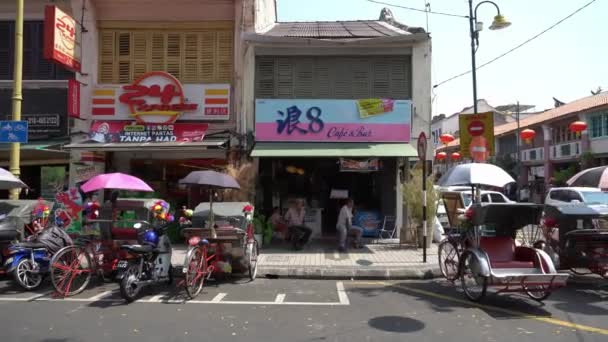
pixel 35 66
pixel 598 127
pixel 194 56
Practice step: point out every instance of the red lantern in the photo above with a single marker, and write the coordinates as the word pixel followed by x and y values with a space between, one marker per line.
pixel 441 155
pixel 446 138
pixel 578 126
pixel 455 156
pixel 528 135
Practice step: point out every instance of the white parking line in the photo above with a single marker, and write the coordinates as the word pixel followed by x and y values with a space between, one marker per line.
pixel 100 295
pixel 342 293
pixel 218 298
pixel 280 298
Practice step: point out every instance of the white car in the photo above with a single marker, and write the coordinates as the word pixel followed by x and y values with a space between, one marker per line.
pixel 589 196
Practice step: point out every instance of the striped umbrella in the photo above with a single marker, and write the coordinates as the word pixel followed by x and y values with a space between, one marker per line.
pixel 596 177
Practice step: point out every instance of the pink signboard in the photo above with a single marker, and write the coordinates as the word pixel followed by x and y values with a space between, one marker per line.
pixel 129 132
pixel 364 120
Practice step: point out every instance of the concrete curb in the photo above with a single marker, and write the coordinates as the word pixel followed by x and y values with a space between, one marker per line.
pixel 386 273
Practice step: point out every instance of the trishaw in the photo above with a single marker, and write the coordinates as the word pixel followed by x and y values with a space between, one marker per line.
pixel 215 251
pixel 576 238
pixel 498 261
pixel 455 241
pixel 73 266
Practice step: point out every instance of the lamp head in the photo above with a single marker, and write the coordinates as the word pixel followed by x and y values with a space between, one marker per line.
pixel 499 23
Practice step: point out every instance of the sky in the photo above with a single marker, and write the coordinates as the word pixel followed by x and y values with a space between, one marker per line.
pixel 566 62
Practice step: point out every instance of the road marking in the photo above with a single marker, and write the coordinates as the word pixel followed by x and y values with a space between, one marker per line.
pixel 156 299
pixel 280 298
pixel 100 295
pixel 549 320
pixel 218 298
pixel 342 293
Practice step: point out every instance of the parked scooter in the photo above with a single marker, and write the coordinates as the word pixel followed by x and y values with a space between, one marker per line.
pixel 151 263
pixel 29 261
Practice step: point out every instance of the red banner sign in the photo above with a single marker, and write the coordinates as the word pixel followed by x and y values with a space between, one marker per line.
pixel 61 38
pixel 74 99
pixel 131 132
pixel 156 97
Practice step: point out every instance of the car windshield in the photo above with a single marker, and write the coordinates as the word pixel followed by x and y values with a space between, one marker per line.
pixel 466 199
pixel 595 197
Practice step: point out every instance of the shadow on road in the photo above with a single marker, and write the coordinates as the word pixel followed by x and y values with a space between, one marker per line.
pixel 397 324
pixel 495 305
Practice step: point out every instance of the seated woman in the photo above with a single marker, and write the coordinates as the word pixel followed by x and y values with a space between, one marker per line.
pixel 279 225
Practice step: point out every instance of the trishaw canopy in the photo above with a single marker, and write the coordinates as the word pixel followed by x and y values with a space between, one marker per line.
pixel 220 210
pixel 15 214
pixel 506 218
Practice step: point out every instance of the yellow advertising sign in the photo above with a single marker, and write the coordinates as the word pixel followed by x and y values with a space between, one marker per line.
pixel 372 107
pixel 476 135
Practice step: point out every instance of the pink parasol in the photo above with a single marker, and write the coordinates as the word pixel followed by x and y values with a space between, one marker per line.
pixel 118 181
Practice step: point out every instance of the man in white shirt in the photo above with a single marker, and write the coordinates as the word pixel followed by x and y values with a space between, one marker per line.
pixel 299 233
pixel 345 226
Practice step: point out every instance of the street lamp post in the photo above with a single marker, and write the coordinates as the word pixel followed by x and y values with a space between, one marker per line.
pixel 17 96
pixel 475 26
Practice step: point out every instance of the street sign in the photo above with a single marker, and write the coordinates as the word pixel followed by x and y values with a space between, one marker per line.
pixel 13 132
pixel 476 128
pixel 422 146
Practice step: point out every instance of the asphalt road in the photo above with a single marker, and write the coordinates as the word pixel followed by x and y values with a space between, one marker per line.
pixel 304 310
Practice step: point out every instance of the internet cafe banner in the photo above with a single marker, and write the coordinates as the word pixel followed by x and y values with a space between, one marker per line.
pixel 365 120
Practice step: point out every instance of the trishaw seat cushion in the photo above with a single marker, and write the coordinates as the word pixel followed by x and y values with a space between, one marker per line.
pixel 7 235
pixel 124 234
pixel 504 254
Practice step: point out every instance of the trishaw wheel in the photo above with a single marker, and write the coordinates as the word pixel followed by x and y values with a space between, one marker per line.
pixel 449 259
pixel 196 271
pixel 473 285
pixel 537 292
pixel 252 256
pixel 71 270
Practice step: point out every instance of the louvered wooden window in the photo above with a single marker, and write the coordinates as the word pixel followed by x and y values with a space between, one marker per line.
pixel 333 77
pixel 35 66
pixel 191 56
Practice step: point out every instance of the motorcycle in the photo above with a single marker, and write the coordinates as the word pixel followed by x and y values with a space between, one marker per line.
pixel 29 261
pixel 150 261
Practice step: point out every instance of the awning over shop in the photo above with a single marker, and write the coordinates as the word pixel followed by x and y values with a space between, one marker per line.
pixel 148 146
pixel 275 149
pixel 37 153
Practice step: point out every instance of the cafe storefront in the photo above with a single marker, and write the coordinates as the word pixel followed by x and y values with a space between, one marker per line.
pixel 327 150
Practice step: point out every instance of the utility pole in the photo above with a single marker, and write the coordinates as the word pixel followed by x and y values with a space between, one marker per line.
pixel 519 168
pixel 17 95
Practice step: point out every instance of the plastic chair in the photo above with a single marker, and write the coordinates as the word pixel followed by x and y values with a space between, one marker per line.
pixel 388 228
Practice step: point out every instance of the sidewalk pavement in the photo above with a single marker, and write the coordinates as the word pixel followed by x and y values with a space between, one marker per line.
pixel 387 260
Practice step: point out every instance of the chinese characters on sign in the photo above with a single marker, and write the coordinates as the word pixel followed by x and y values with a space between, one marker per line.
pixel 332 120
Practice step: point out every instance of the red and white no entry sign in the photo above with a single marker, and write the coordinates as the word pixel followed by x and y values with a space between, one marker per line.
pixel 476 128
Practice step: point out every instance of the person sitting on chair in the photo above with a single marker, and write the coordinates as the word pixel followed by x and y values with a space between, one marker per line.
pixel 278 224
pixel 298 232
pixel 345 226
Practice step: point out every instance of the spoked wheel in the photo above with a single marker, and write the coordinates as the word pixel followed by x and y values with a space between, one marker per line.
pixel 71 270
pixel 129 287
pixel 474 284
pixel 449 259
pixel 196 271
pixel 26 275
pixel 252 259
pixel 537 292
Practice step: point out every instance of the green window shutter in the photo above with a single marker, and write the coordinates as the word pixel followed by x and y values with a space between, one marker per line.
pixel 265 77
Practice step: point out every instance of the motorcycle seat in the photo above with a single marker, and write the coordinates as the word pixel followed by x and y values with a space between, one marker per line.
pixel 139 249
pixel 29 244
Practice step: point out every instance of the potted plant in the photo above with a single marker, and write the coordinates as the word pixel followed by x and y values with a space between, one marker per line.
pixel 259 227
pixel 412 196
